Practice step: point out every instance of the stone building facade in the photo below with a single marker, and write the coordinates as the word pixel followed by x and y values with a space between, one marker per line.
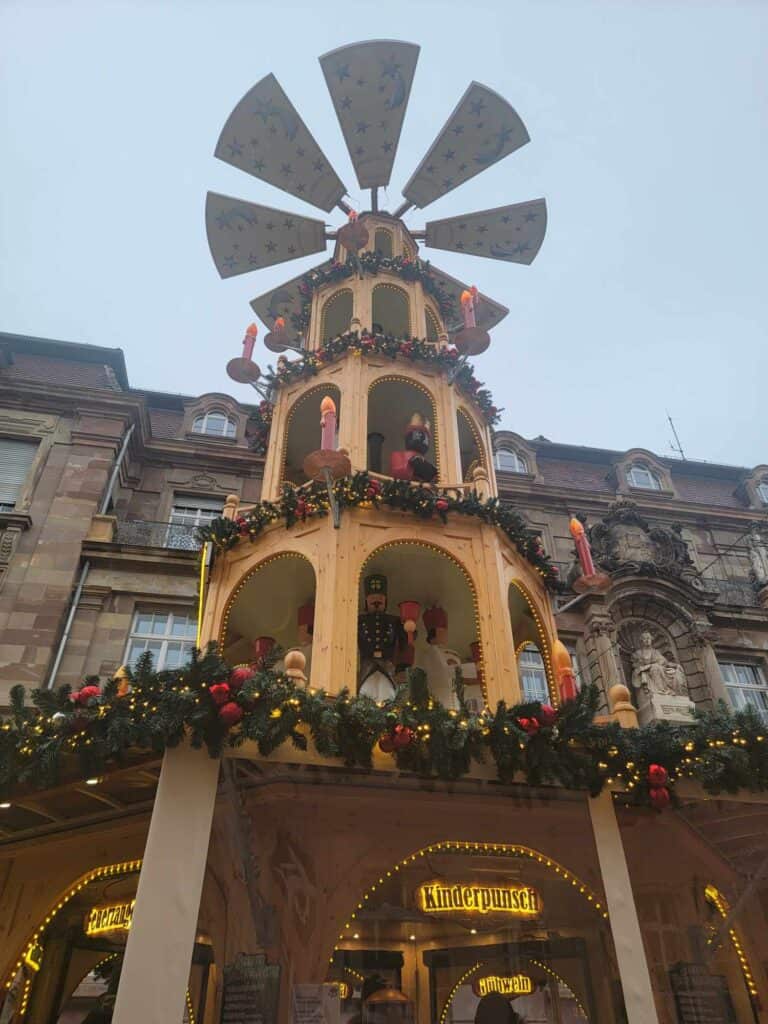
pixel 686 543
pixel 102 486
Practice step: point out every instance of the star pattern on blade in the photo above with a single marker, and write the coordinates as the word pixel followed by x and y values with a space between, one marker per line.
pixel 267 235
pixel 369 85
pixel 466 145
pixel 286 154
pixel 492 231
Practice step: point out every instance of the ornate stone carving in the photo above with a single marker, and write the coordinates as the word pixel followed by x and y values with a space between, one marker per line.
pixel 625 543
pixel 757 548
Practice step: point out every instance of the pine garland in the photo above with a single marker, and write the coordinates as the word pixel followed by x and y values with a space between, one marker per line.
pixel 387 345
pixel 364 491
pixel 373 263
pixel 63 733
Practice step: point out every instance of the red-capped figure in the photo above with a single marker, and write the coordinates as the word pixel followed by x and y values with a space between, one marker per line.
pixel 411 464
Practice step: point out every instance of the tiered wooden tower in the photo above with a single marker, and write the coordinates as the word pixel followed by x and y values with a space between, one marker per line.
pixel 375 342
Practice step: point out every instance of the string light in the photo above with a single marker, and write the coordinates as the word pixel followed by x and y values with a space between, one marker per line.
pixel 127 867
pixel 716 898
pixel 461 846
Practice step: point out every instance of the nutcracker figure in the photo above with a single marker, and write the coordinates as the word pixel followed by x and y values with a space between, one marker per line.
pixel 382 641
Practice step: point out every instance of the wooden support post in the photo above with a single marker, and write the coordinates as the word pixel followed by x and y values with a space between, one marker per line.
pixel 158 953
pixel 627 938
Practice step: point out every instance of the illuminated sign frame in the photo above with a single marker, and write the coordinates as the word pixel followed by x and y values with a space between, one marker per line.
pixel 110 917
pixel 470 898
pixel 505 985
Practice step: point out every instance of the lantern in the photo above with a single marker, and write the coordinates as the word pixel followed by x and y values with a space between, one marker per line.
pixel 388 1006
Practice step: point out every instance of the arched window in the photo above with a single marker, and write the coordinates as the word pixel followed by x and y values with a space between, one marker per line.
pixel 533 674
pixel 383 243
pixel 762 490
pixel 391 313
pixel 336 314
pixel 215 424
pixel 639 475
pixel 508 461
pixel 433 327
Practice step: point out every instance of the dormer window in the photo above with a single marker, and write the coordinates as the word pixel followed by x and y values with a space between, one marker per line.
pixel 508 461
pixel 215 424
pixel 762 491
pixel 641 476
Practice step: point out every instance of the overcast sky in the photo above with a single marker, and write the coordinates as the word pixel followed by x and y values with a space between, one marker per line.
pixel 648 140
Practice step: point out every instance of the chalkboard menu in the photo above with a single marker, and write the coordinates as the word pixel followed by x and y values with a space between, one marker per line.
pixel 701 997
pixel 251 991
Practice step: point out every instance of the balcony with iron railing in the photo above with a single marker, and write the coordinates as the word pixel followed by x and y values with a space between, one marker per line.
pixel 144 533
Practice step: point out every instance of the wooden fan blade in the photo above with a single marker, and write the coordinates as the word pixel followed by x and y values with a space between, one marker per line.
pixel 483 129
pixel 511 233
pixel 245 236
pixel 264 136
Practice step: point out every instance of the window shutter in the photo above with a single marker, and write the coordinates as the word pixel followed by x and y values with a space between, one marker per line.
pixel 15 460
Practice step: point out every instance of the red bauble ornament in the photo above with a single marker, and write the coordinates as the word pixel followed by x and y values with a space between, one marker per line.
pixel 441 505
pixel 301 508
pixel 402 737
pixel 529 725
pixel 547 715
pixel 84 694
pixel 659 797
pixel 386 744
pixel 657 775
pixel 239 676
pixel 219 693
pixel 230 714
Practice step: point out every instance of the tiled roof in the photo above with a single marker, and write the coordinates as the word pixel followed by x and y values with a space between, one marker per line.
pixel 582 476
pixel 49 370
pixel 166 422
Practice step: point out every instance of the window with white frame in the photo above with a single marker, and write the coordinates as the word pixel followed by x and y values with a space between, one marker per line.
pixel 641 476
pixel 533 675
pixel 746 686
pixel 188 512
pixel 15 462
pixel 169 636
pixel 508 460
pixel 216 424
pixel 762 491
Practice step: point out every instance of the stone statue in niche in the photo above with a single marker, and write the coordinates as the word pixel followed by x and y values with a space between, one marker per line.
pixel 660 686
pixel 757 547
pixel 653 673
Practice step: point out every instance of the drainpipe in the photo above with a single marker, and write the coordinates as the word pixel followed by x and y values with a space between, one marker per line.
pixel 78 593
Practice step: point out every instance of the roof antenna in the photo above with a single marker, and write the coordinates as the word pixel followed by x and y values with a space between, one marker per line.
pixel 677 446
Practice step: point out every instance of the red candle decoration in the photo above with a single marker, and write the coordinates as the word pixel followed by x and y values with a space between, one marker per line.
pixel 583 549
pixel 328 424
pixel 249 340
